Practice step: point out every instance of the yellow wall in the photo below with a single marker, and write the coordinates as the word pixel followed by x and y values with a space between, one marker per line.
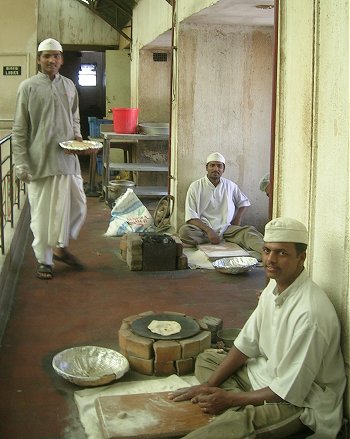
pixel 117 80
pixel 18 40
pixel 151 18
pixel 187 8
pixel 312 140
pixel 70 22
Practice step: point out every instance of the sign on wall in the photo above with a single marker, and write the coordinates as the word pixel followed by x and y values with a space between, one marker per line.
pixel 12 70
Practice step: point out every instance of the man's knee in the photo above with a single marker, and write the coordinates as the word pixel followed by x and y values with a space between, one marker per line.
pixel 183 231
pixel 185 234
pixel 191 235
pixel 207 360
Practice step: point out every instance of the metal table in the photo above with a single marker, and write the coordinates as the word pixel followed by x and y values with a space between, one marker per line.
pixel 110 137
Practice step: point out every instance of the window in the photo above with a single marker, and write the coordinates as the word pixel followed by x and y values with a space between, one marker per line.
pixel 160 56
pixel 87 75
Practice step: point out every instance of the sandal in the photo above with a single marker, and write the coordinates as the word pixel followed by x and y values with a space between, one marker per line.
pixel 44 272
pixel 69 259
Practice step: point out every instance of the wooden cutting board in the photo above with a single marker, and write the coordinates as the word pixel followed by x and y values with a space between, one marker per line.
pixel 147 416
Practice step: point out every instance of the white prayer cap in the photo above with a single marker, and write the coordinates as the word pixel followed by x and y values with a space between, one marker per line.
pixel 216 157
pixel 49 44
pixel 264 182
pixel 285 230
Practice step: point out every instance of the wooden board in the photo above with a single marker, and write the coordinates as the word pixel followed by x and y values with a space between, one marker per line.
pixel 147 416
pixel 223 250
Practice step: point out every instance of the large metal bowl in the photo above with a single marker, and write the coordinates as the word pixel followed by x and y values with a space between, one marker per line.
pixel 116 188
pixel 235 264
pixel 228 336
pixel 90 366
pixel 154 128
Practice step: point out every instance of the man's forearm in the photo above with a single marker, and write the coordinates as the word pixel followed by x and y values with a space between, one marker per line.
pixel 200 224
pixel 237 219
pixel 255 397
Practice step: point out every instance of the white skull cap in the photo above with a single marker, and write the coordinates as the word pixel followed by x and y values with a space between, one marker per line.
pixel 285 230
pixel 49 44
pixel 216 157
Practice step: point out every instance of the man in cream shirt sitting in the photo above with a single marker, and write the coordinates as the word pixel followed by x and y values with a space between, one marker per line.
pixel 214 209
pixel 285 373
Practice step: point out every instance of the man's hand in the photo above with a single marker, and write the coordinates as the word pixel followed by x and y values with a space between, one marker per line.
pixel 70 151
pixel 215 400
pixel 211 400
pixel 78 151
pixel 213 237
pixel 188 393
pixel 23 174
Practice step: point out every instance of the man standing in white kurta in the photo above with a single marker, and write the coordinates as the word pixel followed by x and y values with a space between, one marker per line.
pixel 47 113
pixel 214 209
pixel 285 373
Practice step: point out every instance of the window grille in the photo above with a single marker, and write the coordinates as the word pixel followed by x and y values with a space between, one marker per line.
pixel 160 56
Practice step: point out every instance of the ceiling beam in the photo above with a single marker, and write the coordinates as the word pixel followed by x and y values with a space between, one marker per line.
pixel 97 6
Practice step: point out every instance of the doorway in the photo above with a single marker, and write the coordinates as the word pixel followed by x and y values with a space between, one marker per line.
pixel 92 97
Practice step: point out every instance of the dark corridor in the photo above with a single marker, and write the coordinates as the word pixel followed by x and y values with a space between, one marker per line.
pixel 92 99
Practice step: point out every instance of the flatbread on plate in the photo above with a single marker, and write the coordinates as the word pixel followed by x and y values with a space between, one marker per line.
pixel 164 327
pixel 75 145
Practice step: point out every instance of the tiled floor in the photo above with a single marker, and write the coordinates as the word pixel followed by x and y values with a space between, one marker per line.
pixel 87 308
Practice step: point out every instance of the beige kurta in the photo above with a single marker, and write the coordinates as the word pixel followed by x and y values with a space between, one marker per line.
pixel 47 113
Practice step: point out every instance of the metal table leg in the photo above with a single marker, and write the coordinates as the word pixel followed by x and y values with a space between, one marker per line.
pixel 90 190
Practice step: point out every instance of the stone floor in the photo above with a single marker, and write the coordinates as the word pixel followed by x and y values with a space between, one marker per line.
pixel 87 308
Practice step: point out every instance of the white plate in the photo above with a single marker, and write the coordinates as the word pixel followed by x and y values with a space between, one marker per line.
pixel 74 145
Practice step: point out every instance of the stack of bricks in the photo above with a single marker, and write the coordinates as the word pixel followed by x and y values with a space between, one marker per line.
pixel 161 357
pixel 131 251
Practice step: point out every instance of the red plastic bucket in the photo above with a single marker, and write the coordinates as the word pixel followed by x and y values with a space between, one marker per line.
pixel 125 120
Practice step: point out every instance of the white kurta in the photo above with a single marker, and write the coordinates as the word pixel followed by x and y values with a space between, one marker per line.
pixel 214 205
pixel 47 113
pixel 293 342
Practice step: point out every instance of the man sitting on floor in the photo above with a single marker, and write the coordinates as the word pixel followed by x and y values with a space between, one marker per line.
pixel 214 210
pixel 285 373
